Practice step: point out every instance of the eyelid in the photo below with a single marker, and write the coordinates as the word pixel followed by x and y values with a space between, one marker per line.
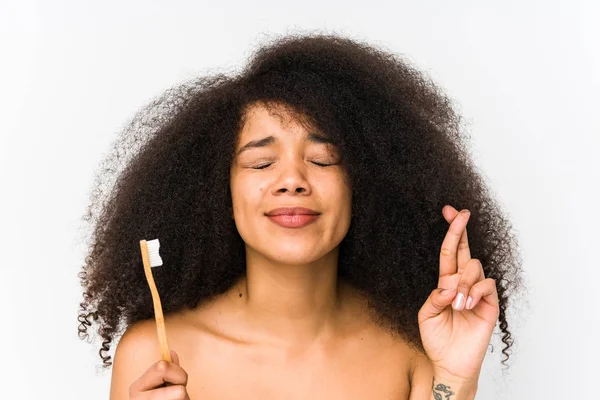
pixel 317 159
pixel 322 164
pixel 262 166
pixel 268 164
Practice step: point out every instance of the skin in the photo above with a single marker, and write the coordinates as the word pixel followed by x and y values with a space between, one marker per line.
pixel 290 328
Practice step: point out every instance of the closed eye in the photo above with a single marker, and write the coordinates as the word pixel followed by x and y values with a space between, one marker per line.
pixel 322 164
pixel 263 166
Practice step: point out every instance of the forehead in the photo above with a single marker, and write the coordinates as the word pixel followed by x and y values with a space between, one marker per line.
pixel 270 118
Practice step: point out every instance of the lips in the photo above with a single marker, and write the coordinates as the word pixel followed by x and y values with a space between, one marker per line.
pixel 293 217
pixel 291 211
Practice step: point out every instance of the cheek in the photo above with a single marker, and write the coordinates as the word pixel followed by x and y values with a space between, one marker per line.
pixel 247 192
pixel 338 199
pixel 339 190
pixel 238 196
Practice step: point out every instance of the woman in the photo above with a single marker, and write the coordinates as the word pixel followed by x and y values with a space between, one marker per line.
pixel 308 215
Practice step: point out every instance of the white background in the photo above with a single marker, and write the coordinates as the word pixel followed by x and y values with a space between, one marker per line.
pixel 525 76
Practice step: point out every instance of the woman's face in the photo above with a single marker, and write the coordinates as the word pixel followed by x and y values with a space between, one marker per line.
pixel 278 164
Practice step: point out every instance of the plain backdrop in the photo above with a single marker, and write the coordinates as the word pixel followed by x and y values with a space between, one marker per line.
pixel 525 75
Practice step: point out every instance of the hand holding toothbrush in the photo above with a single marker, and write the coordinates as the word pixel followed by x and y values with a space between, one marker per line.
pixel 165 379
pixel 151 385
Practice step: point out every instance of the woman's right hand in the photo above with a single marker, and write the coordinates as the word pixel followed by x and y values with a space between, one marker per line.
pixel 151 385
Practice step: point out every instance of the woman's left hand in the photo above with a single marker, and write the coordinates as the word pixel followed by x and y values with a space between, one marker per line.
pixel 456 332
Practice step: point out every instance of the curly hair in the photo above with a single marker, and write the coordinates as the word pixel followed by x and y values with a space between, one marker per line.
pixel 168 177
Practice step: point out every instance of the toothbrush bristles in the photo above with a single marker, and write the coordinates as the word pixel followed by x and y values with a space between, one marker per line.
pixel 153 254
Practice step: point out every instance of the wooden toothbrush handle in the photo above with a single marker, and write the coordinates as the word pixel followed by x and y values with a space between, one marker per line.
pixel 158 314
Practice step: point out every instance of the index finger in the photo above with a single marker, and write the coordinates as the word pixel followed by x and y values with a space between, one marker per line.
pixel 449 251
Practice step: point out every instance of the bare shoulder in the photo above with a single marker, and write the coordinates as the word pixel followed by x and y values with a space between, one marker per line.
pixel 136 351
pixel 138 348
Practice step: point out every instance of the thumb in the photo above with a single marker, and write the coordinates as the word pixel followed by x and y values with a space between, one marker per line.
pixel 174 357
pixel 437 302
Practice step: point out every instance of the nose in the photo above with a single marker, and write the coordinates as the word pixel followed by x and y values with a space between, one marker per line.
pixel 292 180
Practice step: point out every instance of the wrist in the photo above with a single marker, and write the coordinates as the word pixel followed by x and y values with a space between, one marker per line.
pixel 452 387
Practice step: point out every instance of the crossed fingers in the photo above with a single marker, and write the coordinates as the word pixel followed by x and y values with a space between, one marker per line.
pixel 458 270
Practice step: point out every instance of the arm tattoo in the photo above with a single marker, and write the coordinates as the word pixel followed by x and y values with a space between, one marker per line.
pixel 439 389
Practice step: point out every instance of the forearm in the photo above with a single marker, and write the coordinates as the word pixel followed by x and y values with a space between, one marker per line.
pixel 447 388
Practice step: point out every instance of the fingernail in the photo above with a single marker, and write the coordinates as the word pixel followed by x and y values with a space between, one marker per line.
pixel 469 301
pixel 459 301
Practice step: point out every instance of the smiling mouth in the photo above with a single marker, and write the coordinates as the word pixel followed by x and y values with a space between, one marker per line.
pixel 292 211
pixel 293 221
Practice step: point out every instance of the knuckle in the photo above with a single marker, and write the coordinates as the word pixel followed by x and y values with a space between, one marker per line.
pixel 161 366
pixel 475 265
pixel 464 285
pixel 447 252
pixel 475 262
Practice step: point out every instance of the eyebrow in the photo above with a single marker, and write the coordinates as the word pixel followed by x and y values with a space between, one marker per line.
pixel 269 140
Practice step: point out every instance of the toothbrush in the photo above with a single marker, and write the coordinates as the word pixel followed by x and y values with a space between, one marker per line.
pixel 151 258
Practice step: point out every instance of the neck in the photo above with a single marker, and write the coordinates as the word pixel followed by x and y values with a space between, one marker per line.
pixel 290 304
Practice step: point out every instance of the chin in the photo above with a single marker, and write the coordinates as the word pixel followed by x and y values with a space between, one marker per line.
pixel 294 252
pixel 291 259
